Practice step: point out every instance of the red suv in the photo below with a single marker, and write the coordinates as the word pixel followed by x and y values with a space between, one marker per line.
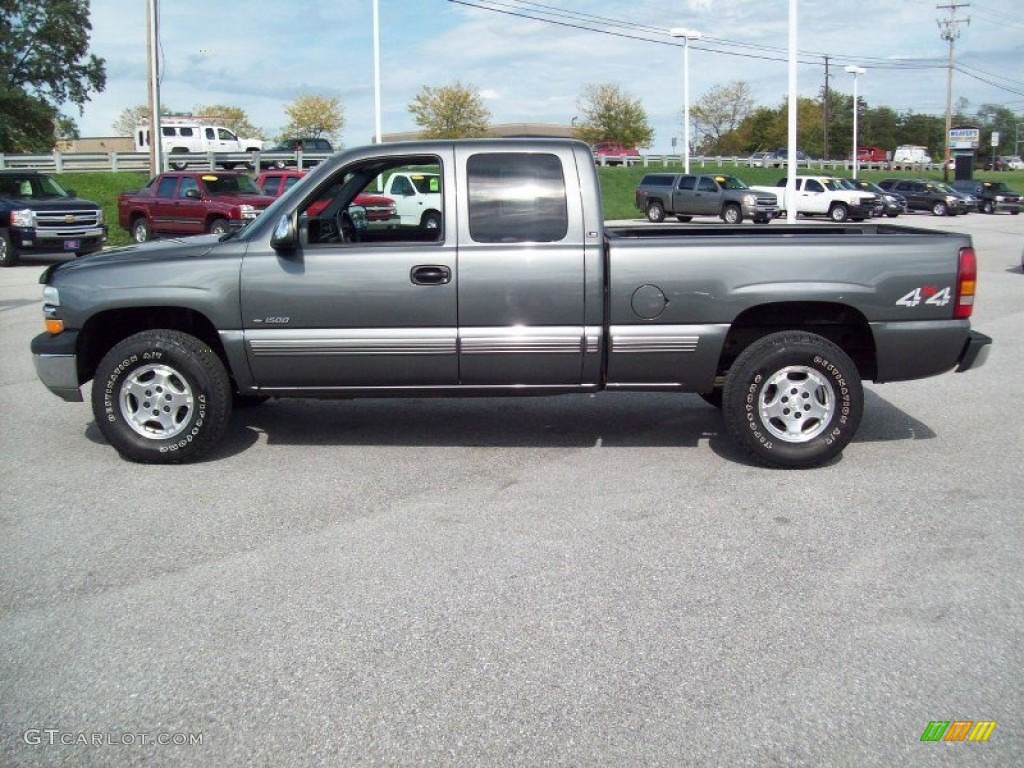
pixel 612 152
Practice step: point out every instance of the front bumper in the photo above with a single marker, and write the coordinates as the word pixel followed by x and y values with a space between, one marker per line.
pixel 765 212
pixel 1002 206
pixel 56 364
pixel 39 240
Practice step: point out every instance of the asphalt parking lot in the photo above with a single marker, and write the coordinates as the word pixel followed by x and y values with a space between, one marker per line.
pixel 556 581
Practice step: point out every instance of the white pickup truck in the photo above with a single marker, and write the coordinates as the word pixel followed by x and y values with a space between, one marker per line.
pixel 417 198
pixel 823 196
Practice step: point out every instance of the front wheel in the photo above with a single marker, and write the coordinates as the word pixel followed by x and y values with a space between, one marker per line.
pixel 161 397
pixel 793 399
pixel 839 213
pixel 655 212
pixel 431 220
pixel 8 256
pixel 219 227
pixel 988 207
pixel 940 209
pixel 141 231
pixel 732 214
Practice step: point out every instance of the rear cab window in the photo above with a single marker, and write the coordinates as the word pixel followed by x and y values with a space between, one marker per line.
pixel 516 197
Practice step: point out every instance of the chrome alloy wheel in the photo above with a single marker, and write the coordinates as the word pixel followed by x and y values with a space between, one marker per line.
pixel 156 402
pixel 796 404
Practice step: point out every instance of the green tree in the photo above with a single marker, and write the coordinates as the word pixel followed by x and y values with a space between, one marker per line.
pixel 234 118
pixel 314 117
pixel 1002 120
pixel 611 115
pixel 719 112
pixel 44 63
pixel 450 112
pixel 124 124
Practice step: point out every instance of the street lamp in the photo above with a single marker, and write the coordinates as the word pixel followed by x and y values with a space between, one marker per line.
pixel 687 35
pixel 856 72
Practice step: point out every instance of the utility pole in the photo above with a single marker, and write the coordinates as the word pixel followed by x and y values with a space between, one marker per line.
pixel 153 79
pixel 824 153
pixel 949 29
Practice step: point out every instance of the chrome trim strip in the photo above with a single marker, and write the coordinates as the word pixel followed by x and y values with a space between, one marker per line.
pixel 521 340
pixel 285 342
pixel 651 339
pixel 593 334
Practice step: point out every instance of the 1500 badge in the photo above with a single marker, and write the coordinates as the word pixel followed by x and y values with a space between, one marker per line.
pixel 272 320
pixel 929 294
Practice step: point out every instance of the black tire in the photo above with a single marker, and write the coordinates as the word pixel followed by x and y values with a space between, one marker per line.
pixel 141 231
pixel 684 219
pixel 8 253
pixel 939 208
pixel 838 213
pixel 988 207
pixel 228 166
pixel 769 376
pixel 280 164
pixel 177 165
pixel 655 212
pixel 732 214
pixel 219 227
pixel 431 220
pixel 187 376
pixel 892 215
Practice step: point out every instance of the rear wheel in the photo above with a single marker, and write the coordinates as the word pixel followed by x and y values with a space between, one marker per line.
pixel 732 214
pixel 684 219
pixel 793 399
pixel 431 220
pixel 838 213
pixel 161 397
pixel 655 211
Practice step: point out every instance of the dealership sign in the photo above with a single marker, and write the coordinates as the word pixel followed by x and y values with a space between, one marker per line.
pixel 964 138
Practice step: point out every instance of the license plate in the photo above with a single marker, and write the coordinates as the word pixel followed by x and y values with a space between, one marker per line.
pixel 72 245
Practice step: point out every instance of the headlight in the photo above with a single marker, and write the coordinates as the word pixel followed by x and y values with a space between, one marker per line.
pixel 99 216
pixel 247 211
pixel 750 199
pixel 23 218
pixel 1000 198
pixel 51 296
pixel 890 199
pixel 950 198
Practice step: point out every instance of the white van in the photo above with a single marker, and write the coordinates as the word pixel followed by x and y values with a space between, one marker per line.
pixel 192 136
pixel 911 153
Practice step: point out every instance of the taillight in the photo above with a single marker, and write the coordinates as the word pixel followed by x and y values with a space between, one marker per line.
pixel 966 279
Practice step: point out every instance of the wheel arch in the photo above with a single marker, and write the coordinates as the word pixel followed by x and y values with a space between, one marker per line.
pixel 105 329
pixel 843 325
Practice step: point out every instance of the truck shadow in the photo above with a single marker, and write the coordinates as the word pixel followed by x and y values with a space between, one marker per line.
pixel 647 420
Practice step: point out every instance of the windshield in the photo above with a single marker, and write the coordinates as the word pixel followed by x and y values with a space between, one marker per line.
pixel 731 182
pixel 230 185
pixel 996 186
pixel 836 184
pixel 426 183
pixel 31 186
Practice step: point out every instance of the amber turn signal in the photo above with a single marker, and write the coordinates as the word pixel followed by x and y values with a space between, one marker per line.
pixel 54 326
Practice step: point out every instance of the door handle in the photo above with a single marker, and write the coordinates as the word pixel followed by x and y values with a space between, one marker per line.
pixel 431 274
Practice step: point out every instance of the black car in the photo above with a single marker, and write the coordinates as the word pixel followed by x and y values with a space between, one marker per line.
pixel 890 204
pixel 924 195
pixel 38 215
pixel 316 146
pixel 993 196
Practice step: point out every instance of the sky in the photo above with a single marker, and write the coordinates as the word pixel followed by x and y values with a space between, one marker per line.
pixel 260 55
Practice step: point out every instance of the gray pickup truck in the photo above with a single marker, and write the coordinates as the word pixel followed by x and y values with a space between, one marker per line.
pixel 687 195
pixel 521 290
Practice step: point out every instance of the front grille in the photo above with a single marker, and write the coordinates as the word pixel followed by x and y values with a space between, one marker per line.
pixel 67 222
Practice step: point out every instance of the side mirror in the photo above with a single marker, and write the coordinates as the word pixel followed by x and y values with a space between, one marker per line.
pixel 192 193
pixel 284 237
pixel 71 193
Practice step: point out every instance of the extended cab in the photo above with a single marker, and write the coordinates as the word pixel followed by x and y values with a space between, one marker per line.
pixel 37 215
pixel 187 203
pixel 688 195
pixel 824 196
pixel 520 290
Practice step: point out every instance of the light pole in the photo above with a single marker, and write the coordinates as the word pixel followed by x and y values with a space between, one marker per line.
pixel 856 72
pixel 687 35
